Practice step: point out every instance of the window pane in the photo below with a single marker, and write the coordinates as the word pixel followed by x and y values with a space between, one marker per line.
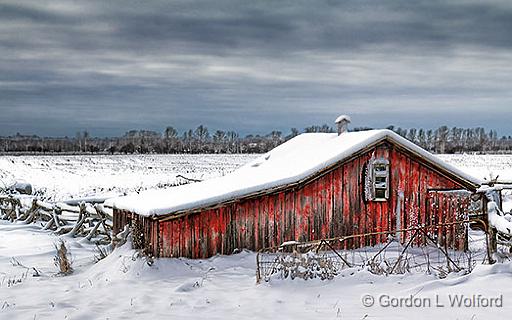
pixel 381 179
pixel 380 168
pixel 380 193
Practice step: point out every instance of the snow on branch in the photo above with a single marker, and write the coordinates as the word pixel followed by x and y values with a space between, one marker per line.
pixel 501 221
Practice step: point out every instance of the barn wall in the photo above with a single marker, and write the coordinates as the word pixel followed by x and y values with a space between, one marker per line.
pixel 331 205
pixel 446 208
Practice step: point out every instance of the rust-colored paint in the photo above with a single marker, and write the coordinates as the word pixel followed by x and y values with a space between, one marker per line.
pixel 449 207
pixel 330 205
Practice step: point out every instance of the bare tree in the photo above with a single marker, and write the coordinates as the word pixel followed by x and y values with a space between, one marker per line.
pixel 219 138
pixel 411 136
pixel 441 139
pixel 170 136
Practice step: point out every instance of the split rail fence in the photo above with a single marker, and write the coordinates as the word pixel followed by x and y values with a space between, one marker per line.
pixel 86 219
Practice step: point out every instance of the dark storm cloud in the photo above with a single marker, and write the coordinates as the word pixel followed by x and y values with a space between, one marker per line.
pixel 13 12
pixel 291 26
pixel 110 66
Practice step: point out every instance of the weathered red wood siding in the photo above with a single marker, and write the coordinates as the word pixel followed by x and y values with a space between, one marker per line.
pixel 330 205
pixel 448 207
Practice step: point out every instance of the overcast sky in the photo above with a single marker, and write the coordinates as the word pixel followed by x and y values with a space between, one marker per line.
pixel 252 66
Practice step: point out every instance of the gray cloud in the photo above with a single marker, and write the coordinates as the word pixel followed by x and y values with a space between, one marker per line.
pixel 110 66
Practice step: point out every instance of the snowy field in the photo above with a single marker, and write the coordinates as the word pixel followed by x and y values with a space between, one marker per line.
pixel 482 166
pixel 58 178
pixel 223 287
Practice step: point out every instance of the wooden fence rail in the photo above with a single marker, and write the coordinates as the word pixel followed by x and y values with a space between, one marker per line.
pixel 90 220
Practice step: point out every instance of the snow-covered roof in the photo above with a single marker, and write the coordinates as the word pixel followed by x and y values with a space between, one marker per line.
pixel 293 161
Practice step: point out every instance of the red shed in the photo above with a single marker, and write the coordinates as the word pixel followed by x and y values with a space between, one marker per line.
pixel 315 186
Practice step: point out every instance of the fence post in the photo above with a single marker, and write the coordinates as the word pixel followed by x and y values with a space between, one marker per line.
pixel 492 243
pixel 258 272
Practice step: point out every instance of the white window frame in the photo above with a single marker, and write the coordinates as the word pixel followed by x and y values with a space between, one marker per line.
pixel 374 175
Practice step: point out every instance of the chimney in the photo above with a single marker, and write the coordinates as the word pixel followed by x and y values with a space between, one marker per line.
pixel 342 123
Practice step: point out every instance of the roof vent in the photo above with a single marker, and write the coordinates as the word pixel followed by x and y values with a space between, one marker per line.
pixel 342 123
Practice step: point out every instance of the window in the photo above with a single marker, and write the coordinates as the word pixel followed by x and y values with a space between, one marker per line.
pixel 377 180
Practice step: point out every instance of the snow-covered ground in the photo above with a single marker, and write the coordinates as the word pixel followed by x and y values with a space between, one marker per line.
pixel 482 166
pixel 223 287
pixel 58 178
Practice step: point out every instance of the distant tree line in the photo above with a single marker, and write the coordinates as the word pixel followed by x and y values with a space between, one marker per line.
pixel 456 140
pixel 201 140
